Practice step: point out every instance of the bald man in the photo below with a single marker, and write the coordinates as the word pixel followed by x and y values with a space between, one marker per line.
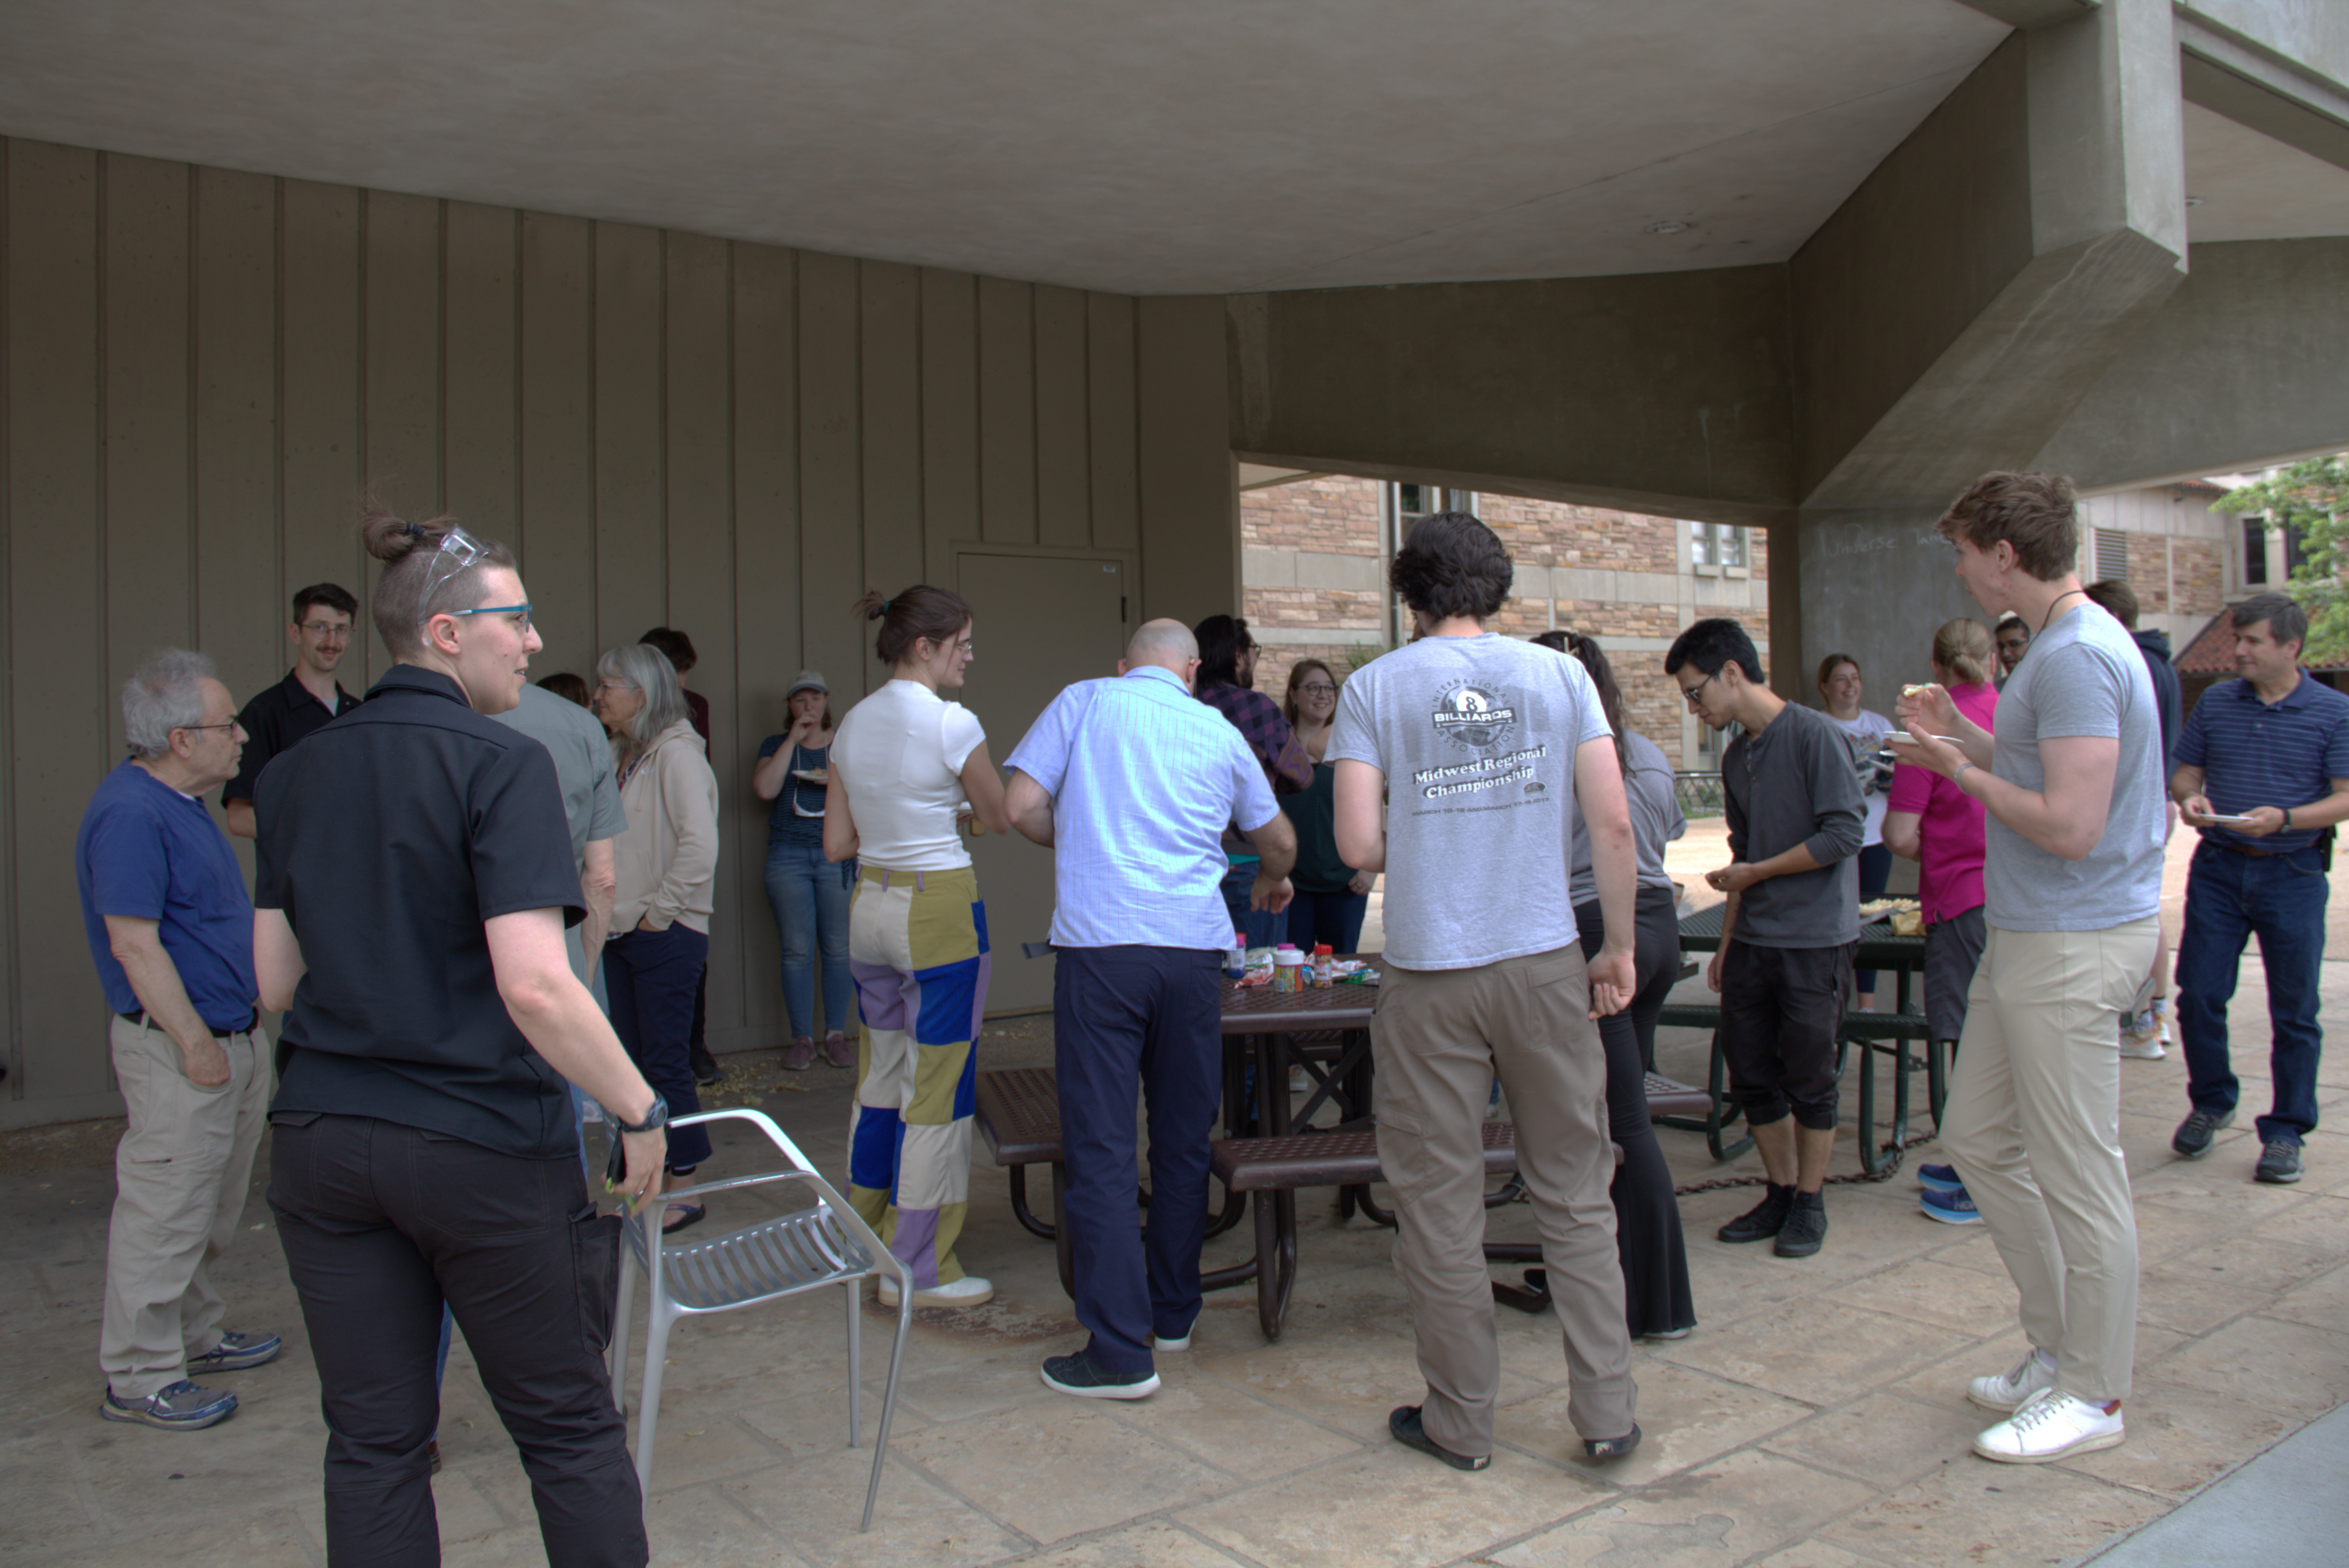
pixel 1130 782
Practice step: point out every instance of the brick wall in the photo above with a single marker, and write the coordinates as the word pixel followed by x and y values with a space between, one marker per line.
pixel 2197 572
pixel 1552 533
pixel 2148 571
pixel 1333 516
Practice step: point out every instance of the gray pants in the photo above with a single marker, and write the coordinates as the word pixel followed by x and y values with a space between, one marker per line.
pixel 1953 950
pixel 1439 1037
pixel 180 1176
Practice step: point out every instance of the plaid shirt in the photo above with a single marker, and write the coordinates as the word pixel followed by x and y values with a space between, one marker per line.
pixel 1259 719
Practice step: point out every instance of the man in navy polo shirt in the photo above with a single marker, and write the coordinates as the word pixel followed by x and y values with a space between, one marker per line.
pixel 2263 771
pixel 170 930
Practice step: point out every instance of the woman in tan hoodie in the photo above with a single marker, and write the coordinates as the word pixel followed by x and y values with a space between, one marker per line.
pixel 667 862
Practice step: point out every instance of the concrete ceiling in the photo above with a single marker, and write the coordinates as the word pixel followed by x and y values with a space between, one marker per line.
pixel 2252 187
pixel 1207 146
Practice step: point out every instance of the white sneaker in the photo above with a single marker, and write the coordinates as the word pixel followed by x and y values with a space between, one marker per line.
pixel 2161 1017
pixel 969 1291
pixel 1160 1341
pixel 2051 1427
pixel 2032 1376
pixel 2141 1036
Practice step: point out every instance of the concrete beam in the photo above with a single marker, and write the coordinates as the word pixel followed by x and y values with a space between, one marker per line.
pixel 2275 98
pixel 2029 14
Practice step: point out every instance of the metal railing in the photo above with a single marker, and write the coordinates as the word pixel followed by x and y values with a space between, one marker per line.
pixel 1699 794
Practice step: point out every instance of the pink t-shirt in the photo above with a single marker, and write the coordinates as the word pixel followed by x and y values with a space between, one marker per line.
pixel 1949 822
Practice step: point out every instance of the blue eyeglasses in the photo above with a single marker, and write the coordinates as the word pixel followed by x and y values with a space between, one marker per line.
pixel 522 609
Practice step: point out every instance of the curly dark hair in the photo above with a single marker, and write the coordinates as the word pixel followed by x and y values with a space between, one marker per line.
pixel 1453 565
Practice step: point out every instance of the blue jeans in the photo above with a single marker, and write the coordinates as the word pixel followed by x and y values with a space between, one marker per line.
pixel 1335 918
pixel 1264 929
pixel 653 976
pixel 810 896
pixel 2230 896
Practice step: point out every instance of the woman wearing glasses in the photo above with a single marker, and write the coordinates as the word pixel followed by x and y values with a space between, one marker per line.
pixel 415 877
pixel 1333 897
pixel 667 863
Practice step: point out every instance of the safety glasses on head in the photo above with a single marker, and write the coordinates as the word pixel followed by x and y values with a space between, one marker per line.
pixel 458 551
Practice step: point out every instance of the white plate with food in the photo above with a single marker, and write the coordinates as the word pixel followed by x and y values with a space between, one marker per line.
pixel 812 775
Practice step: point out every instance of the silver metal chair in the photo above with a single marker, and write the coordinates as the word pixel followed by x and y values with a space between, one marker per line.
pixel 828 1245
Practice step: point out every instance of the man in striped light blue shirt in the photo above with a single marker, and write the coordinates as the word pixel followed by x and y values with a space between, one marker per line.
pixel 1131 781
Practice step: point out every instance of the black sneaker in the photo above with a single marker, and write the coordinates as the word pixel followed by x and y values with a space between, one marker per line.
pixel 705 1070
pixel 2278 1163
pixel 2194 1133
pixel 1087 1379
pixel 1805 1229
pixel 1611 1448
pixel 1403 1423
pixel 1763 1221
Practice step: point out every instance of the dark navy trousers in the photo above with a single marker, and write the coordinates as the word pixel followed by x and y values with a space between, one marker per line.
pixel 2280 899
pixel 1128 1024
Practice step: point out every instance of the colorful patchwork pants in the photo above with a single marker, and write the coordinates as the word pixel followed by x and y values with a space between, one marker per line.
pixel 918 949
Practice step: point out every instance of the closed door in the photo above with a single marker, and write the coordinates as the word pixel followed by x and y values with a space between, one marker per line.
pixel 1040 623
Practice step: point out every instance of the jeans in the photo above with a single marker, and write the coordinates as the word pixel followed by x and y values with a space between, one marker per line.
pixel 1335 918
pixel 810 897
pixel 1874 871
pixel 1264 929
pixel 379 1224
pixel 654 975
pixel 2230 896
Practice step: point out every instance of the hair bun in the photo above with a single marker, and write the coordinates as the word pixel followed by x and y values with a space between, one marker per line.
pixel 389 538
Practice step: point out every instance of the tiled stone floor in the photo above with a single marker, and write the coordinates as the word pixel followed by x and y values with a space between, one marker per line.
pixel 1816 1419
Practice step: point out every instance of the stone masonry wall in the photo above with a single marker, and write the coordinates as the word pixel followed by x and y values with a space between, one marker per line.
pixel 2198 572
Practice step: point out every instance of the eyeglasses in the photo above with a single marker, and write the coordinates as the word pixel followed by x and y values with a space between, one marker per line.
pixel 519 611
pixel 1690 694
pixel 1318 688
pixel 458 551
pixel 230 725
pixel 325 633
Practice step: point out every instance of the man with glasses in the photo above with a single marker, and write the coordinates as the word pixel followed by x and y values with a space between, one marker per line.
pixel 170 930
pixel 308 697
pixel 1792 925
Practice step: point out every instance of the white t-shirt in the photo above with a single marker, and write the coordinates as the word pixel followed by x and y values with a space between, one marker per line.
pixel 901 752
pixel 1864 732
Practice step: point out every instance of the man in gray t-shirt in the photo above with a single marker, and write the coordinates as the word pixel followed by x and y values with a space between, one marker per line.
pixel 1462 761
pixel 591 807
pixel 2072 785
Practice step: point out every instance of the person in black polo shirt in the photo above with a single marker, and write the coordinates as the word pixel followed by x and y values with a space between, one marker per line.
pixel 307 697
pixel 415 877
pixel 2264 773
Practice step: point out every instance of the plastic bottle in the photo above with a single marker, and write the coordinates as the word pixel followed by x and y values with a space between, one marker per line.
pixel 1287 969
pixel 1235 960
pixel 1323 960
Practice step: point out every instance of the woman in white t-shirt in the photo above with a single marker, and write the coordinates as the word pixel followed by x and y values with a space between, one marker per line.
pixel 1839 689
pixel 906 766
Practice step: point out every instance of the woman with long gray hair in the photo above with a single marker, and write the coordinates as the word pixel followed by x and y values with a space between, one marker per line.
pixel 667 863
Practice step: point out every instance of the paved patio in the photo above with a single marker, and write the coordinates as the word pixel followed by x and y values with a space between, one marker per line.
pixel 1815 1418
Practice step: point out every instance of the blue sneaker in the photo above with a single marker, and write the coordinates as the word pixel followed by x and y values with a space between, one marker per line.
pixel 1939 1179
pixel 182 1407
pixel 1950 1206
pixel 235 1352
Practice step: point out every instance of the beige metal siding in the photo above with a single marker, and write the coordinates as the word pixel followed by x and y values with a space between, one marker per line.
pixel 205 370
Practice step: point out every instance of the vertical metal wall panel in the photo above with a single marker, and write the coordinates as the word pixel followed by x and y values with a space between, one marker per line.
pixel 318 411
pixel 1063 486
pixel 241 616
pixel 950 418
pixel 766 587
pixel 831 564
pixel 144 383
pixel 1007 412
pixel 558 439
pixel 889 305
pixel 59 706
pixel 402 415
pixel 1109 351
pixel 700 539
pixel 481 433
pixel 630 554
pixel 1190 503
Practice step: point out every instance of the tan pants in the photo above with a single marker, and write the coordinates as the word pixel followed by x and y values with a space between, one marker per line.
pixel 179 1177
pixel 1439 1037
pixel 2032 1124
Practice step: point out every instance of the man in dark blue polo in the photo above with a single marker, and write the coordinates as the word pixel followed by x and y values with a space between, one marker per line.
pixel 2263 771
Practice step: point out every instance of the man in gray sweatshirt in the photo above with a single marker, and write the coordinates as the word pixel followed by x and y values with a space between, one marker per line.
pixel 1783 969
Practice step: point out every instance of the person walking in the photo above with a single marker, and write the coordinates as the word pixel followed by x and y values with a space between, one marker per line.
pixel 1131 782
pixel 1789 929
pixel 1333 897
pixel 807 894
pixel 1930 820
pixel 905 763
pixel 2145 1027
pixel 1657 1301
pixel 1840 688
pixel 1491 748
pixel 2263 775
pixel 2071 887
pixel 665 865
pixel 170 932
pixel 415 875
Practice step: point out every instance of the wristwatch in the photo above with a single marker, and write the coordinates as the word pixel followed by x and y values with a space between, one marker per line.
pixel 657 1116
pixel 1959 773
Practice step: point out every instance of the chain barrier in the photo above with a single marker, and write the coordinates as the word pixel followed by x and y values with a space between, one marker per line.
pixel 1892 1154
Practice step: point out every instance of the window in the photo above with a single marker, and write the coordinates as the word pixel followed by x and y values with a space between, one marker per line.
pixel 2112 555
pixel 2295 551
pixel 1713 545
pixel 2255 551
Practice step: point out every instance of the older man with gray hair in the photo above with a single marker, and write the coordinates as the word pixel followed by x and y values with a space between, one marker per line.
pixel 170 930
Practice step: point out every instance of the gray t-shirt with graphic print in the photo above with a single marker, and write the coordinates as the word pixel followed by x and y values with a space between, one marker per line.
pixel 1476 737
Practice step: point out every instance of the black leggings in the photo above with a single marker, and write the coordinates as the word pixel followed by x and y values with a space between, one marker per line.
pixel 1656 1295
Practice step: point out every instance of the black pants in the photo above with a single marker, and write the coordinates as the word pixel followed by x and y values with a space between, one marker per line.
pixel 1648 1240
pixel 652 978
pixel 380 1223
pixel 1781 1009
pixel 1136 1023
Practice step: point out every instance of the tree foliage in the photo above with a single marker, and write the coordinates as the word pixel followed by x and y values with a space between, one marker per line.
pixel 2311 500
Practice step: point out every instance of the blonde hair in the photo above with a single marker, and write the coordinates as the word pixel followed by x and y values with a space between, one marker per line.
pixel 1963 647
